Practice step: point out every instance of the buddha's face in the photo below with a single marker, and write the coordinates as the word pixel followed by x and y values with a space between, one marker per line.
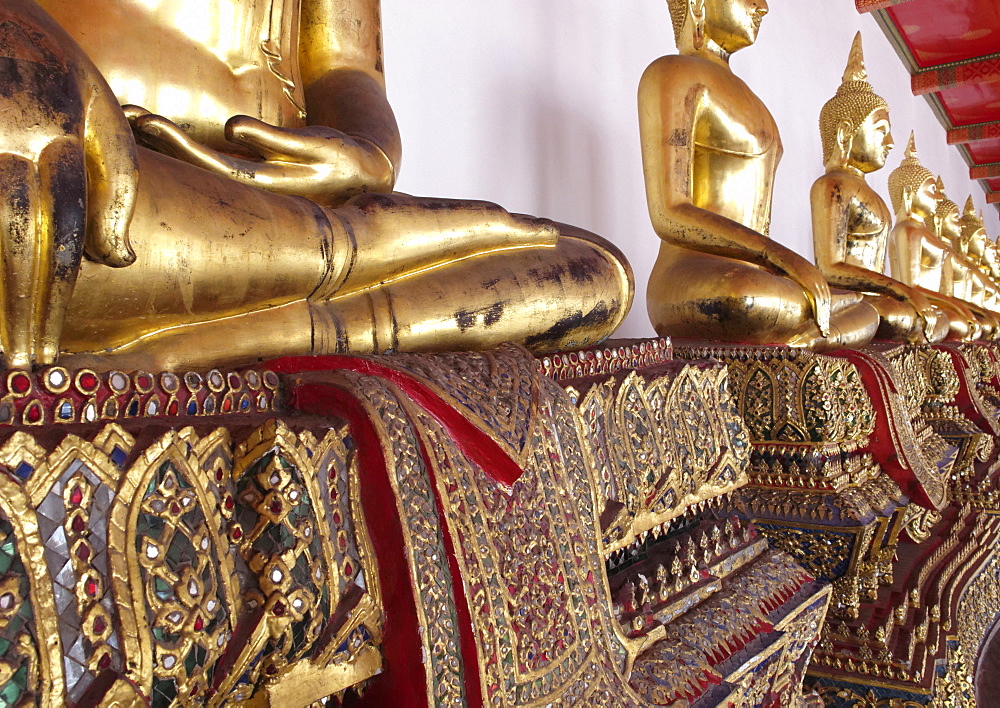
pixel 993 258
pixel 990 255
pixel 733 24
pixel 977 244
pixel 951 230
pixel 926 198
pixel 872 142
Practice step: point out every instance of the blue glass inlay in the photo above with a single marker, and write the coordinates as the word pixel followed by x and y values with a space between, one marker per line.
pixel 118 456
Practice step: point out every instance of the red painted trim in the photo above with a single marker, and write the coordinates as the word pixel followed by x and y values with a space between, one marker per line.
pixel 973 133
pixel 889 458
pixel 975 71
pixel 985 171
pixel 330 400
pixel 403 683
pixel 473 442
pixel 470 652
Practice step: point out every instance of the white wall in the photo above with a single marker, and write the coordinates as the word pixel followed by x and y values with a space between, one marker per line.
pixel 531 104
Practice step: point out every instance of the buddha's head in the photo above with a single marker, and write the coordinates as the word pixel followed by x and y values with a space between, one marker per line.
pixel 973 231
pixel 946 221
pixel 991 258
pixel 730 25
pixel 913 188
pixel 854 124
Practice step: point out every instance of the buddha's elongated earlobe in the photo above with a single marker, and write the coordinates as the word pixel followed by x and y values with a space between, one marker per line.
pixel 907 200
pixel 697 10
pixel 842 151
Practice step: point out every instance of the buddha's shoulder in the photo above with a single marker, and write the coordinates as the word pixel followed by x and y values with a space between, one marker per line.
pixel 844 186
pixel 678 70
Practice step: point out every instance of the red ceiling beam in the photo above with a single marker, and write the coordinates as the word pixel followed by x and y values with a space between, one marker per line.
pixel 989 171
pixel 974 71
pixel 972 133
pixel 872 5
pixel 993 197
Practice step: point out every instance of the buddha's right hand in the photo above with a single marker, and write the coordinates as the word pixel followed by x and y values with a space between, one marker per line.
pixel 68 179
pixel 927 312
pixel 816 288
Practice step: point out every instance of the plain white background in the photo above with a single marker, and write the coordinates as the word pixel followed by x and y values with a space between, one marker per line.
pixel 531 104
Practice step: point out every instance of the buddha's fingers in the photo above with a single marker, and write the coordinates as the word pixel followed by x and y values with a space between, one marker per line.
pixel 165 136
pixel 42 222
pixel 18 235
pixel 317 162
pixel 469 224
pixel 61 223
pixel 112 173
pixel 274 143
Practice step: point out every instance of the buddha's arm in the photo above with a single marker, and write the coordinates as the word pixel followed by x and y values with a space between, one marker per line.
pixel 830 214
pixel 905 244
pixel 670 101
pixel 341 63
pixel 950 275
pixel 351 143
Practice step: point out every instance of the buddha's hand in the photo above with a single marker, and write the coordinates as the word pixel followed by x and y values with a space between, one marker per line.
pixel 928 313
pixel 316 162
pixel 813 283
pixel 68 179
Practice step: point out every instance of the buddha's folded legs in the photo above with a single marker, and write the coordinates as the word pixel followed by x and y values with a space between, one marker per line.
pixel 568 295
pixel 695 295
pixel 988 321
pixel 269 275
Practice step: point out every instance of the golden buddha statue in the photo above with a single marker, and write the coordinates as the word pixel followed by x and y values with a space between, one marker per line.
pixel 962 278
pixel 992 267
pixel 918 256
pixel 851 222
pixel 710 149
pixel 978 248
pixel 255 216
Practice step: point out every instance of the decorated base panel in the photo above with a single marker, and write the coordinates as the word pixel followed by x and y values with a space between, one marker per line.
pixel 631 525
pixel 896 508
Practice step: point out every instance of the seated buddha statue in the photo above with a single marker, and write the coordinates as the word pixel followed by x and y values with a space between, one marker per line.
pixel 978 245
pixel 851 222
pixel 991 259
pixel 710 149
pixel 917 255
pixel 210 182
pixel 961 278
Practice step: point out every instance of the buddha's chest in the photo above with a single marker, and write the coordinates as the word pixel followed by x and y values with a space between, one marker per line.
pixel 931 255
pixel 736 122
pixel 197 62
pixel 867 216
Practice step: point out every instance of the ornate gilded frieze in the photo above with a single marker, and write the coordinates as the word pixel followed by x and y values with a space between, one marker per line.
pixel 547 621
pixel 931 385
pixel 789 396
pixel 663 439
pixel 817 489
pixel 178 567
pixel 918 642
